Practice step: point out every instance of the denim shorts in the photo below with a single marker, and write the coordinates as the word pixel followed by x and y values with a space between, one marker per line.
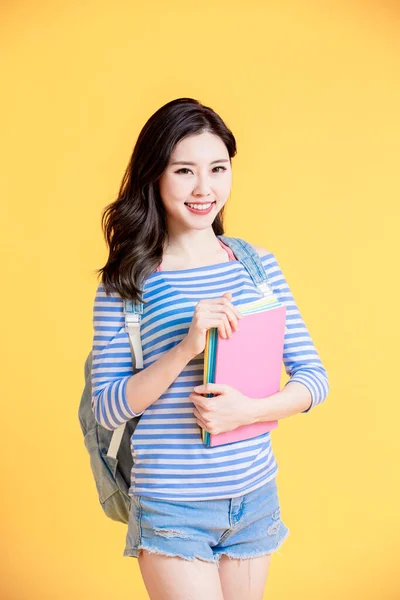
pixel 243 527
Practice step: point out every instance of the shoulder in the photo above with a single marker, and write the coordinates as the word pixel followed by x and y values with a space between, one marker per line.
pixel 106 299
pixel 269 260
pixel 261 250
pixel 272 267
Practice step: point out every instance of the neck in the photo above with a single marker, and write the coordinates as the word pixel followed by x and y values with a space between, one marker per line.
pixel 192 244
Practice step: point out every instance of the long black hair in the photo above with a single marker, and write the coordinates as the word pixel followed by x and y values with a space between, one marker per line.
pixel 134 225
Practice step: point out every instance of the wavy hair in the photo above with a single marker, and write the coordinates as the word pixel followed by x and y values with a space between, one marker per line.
pixel 134 225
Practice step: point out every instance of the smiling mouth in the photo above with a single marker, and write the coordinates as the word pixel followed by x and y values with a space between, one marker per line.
pixel 200 206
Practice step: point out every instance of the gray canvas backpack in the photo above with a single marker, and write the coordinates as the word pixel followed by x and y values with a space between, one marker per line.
pixel 109 451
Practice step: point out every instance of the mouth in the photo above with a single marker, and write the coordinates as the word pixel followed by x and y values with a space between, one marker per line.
pixel 200 208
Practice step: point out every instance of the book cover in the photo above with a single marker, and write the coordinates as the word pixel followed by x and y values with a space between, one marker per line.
pixel 250 361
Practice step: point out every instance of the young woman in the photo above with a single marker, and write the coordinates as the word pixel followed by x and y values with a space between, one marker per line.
pixel 204 521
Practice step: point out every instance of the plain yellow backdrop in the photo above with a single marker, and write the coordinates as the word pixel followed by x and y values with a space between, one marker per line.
pixel 311 91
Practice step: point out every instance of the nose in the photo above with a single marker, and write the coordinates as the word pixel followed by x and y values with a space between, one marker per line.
pixel 202 187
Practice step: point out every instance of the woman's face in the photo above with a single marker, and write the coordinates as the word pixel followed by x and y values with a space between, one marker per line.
pixel 195 190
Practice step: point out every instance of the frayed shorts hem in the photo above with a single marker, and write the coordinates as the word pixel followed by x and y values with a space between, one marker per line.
pixel 255 553
pixel 134 553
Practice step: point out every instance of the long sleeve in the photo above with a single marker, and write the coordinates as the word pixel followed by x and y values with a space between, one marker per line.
pixel 111 362
pixel 301 359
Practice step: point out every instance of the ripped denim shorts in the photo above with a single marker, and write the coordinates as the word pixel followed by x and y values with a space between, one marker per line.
pixel 242 527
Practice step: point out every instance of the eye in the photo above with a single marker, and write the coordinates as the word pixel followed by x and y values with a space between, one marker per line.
pixel 185 169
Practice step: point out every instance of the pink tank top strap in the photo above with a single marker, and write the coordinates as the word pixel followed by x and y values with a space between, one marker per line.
pixel 224 246
pixel 229 251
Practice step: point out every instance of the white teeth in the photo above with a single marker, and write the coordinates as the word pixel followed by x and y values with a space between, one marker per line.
pixel 200 206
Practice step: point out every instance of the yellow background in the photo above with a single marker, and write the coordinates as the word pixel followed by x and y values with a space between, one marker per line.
pixel 311 91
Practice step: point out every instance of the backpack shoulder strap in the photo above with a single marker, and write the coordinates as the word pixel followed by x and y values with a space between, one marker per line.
pixel 133 315
pixel 251 260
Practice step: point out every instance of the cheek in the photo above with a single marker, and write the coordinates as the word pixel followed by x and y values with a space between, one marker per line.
pixel 222 187
pixel 164 187
pixel 173 188
pixel 226 184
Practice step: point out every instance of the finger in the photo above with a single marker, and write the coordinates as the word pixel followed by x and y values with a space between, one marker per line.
pixel 207 323
pixel 201 424
pixel 219 323
pixel 226 310
pixel 200 420
pixel 211 388
pixel 223 326
pixel 227 325
pixel 228 301
pixel 200 416
pixel 232 306
pixel 224 301
pixel 203 404
pixel 199 401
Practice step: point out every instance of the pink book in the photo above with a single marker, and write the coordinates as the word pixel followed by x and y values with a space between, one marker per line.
pixel 250 361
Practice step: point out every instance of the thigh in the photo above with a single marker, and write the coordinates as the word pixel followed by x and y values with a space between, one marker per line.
pixel 243 578
pixel 174 578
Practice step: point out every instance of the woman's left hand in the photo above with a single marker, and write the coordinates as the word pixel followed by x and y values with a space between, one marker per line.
pixel 226 411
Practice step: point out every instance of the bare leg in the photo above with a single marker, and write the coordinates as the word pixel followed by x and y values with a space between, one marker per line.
pixel 175 578
pixel 243 578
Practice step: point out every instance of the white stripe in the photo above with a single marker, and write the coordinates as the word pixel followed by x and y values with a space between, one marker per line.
pixel 200 461
pixel 215 489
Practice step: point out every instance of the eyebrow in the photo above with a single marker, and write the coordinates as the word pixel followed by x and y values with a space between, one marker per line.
pixel 185 162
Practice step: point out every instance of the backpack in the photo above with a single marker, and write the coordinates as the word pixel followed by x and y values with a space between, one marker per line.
pixel 109 451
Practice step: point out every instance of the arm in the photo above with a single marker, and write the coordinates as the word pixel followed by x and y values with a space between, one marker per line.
pixel 308 384
pixel 118 394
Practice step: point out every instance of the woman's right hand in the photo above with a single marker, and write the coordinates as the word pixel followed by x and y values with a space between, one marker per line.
pixel 216 312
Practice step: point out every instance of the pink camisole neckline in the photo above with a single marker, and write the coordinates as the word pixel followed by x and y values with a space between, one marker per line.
pixel 224 246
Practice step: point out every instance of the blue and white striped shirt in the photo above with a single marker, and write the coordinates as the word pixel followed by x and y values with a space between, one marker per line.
pixel 170 460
